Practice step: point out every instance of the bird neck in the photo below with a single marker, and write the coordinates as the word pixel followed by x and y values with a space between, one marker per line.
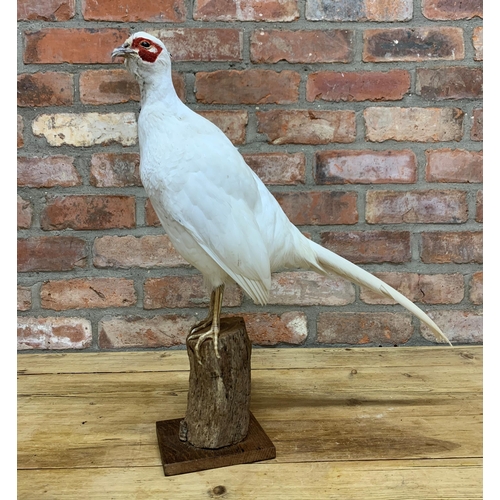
pixel 158 88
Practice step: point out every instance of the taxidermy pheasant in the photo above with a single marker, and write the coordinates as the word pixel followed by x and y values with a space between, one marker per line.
pixel 218 214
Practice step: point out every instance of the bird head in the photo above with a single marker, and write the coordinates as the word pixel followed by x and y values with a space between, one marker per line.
pixel 144 55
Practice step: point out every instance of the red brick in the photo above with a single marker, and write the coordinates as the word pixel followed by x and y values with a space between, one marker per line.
pixel 413 44
pixel 442 288
pixel 423 288
pixel 202 44
pixel 45 10
pixel 450 82
pixel 413 124
pixel 479 206
pixel 153 11
pixel 359 10
pixel 362 247
pixel 365 167
pixel 357 85
pixel 151 218
pixel 444 10
pixel 307 126
pixel 432 206
pixel 83 293
pixel 307 288
pixel 53 333
pixel 83 212
pixel 184 291
pixel 48 171
pixel 477 41
pixel 301 46
pixel 232 123
pixel 458 326
pixel 364 328
pixel 457 247
pixel 405 283
pixel 476 288
pixel 51 253
pixel 476 133
pixel 72 45
pixel 23 298
pixel 253 86
pixel 389 10
pixel 123 252
pixel 108 86
pixel 171 330
pixel 135 331
pixel 454 165
pixel 272 329
pixel 44 89
pixel 20 131
pixel 115 86
pixel 24 213
pixel 246 10
pixel 115 170
pixel 335 10
pixel 278 168
pixel 319 207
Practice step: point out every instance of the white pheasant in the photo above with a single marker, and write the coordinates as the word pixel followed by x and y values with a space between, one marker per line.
pixel 218 214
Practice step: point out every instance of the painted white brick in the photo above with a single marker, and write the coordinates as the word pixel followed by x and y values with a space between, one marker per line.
pixel 87 129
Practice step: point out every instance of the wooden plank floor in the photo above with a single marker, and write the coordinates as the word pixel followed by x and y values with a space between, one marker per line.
pixel 396 423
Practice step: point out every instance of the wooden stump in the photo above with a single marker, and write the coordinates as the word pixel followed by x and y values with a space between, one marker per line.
pixel 218 408
pixel 218 429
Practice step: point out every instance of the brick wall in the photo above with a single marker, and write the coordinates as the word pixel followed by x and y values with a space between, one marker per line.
pixel 364 118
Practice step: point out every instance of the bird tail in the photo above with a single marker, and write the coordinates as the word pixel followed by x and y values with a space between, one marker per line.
pixel 331 262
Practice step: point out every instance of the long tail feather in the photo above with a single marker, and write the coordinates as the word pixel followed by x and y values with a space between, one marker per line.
pixel 332 262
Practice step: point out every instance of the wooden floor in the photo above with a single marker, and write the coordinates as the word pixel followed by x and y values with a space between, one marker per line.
pixel 397 423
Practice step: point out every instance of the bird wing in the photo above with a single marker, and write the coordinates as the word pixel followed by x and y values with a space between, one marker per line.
pixel 226 230
pixel 205 185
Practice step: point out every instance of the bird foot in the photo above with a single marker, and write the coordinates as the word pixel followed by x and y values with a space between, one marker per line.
pixel 200 326
pixel 213 334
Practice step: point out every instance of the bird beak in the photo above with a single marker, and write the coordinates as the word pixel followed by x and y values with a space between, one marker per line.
pixel 122 51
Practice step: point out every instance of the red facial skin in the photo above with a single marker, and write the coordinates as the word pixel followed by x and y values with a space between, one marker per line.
pixel 148 53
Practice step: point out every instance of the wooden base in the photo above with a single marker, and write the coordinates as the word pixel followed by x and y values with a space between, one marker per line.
pixel 179 457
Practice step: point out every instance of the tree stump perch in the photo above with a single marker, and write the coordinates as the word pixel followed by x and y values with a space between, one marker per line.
pixel 218 429
pixel 218 408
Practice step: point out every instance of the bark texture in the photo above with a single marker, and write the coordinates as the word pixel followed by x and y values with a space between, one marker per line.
pixel 218 405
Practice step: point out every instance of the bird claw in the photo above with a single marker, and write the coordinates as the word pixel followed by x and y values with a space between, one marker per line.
pixel 200 326
pixel 212 321
pixel 211 334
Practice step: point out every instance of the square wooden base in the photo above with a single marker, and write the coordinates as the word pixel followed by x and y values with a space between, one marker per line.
pixel 179 457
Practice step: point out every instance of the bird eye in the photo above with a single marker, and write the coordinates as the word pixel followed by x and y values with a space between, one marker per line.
pixel 145 44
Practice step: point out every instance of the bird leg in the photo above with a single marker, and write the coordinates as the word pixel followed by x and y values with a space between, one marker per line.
pixel 212 320
pixel 207 321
